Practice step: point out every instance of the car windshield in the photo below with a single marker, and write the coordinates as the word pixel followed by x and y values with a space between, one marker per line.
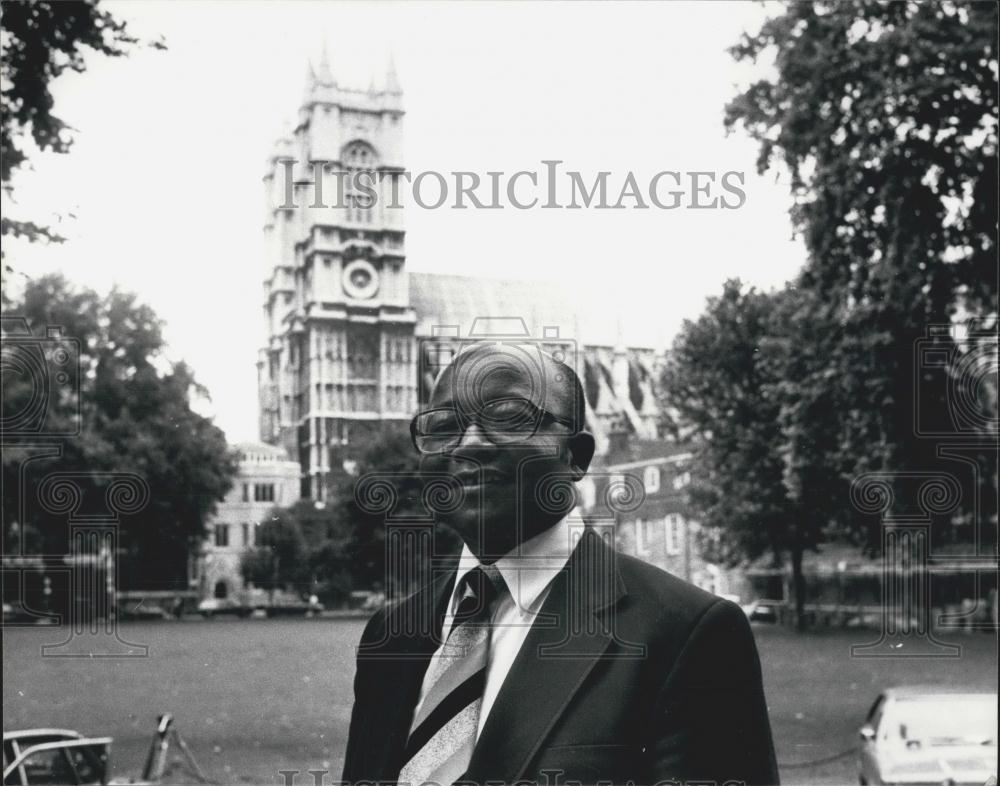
pixel 946 720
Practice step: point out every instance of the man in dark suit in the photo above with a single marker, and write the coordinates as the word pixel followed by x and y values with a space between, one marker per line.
pixel 544 655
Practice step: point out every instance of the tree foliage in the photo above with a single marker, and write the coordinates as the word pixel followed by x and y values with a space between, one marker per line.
pixel 885 116
pixel 387 473
pixel 722 383
pixel 41 40
pixel 343 540
pixel 127 410
pixel 304 546
pixel 278 558
pixel 391 459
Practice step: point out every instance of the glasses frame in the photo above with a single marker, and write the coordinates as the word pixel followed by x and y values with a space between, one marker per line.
pixel 475 418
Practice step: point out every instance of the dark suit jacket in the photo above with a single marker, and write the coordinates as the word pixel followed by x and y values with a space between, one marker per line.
pixel 627 674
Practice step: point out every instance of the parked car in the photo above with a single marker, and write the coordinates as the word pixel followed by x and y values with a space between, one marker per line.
pixel 54 756
pixel 63 756
pixel 213 607
pixel 762 610
pixel 929 735
pixel 287 604
pixel 366 600
pixel 279 603
pixel 143 610
pixel 18 614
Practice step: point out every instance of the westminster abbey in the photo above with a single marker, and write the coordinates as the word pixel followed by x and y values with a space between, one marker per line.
pixel 354 339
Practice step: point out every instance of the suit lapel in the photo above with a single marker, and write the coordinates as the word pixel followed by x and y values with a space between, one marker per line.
pixel 404 651
pixel 571 633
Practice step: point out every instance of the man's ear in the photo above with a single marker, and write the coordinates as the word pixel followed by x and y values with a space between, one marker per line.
pixel 581 450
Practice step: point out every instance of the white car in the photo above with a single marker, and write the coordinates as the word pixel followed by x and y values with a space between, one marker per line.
pixel 921 735
pixel 213 607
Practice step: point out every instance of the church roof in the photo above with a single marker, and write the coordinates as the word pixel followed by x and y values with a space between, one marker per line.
pixel 636 451
pixel 460 300
pixel 260 452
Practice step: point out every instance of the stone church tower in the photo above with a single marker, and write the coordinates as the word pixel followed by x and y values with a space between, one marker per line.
pixel 340 357
pixel 346 323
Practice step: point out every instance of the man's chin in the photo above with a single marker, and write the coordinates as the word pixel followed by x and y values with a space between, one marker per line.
pixel 488 534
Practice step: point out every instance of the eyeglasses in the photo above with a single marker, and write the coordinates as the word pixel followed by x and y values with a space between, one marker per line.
pixel 503 421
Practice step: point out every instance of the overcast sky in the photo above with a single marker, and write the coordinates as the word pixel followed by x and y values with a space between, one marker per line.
pixel 164 181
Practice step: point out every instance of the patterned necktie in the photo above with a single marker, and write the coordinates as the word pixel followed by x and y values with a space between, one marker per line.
pixel 443 733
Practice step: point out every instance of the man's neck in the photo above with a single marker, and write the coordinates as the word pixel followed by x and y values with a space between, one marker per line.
pixel 529 567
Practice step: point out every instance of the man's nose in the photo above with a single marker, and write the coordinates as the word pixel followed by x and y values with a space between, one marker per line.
pixel 473 438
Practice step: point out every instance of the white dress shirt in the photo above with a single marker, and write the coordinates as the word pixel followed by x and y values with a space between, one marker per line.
pixel 528 572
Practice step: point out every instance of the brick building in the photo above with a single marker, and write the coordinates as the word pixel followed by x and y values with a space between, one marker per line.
pixel 266 478
pixel 641 487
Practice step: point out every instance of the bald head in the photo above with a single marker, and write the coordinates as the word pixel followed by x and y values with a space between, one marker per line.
pixel 488 371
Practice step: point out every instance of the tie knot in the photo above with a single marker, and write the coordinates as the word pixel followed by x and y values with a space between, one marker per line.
pixel 482 586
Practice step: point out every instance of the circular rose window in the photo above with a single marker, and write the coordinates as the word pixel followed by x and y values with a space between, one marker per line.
pixel 360 279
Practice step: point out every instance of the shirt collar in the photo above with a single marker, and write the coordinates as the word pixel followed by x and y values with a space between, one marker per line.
pixel 529 568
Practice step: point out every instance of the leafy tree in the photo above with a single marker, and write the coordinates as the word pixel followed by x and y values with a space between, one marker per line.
pixel 130 409
pixel 40 41
pixel 389 461
pixel 306 545
pixel 884 115
pixel 279 557
pixel 330 570
pixel 720 384
pixel 392 458
pixel 334 547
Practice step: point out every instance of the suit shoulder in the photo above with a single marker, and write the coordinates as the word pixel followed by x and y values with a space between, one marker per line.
pixel 665 611
pixel 417 604
pixel 650 585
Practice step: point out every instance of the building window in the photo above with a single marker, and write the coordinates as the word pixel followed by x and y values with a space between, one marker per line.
pixel 246 536
pixel 672 532
pixel 651 479
pixel 641 538
pixel 221 535
pixel 246 492
pixel 359 161
pixel 263 492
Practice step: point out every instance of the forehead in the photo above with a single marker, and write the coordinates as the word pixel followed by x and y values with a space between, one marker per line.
pixel 484 374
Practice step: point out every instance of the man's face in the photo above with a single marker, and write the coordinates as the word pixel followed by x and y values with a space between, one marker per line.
pixel 512 488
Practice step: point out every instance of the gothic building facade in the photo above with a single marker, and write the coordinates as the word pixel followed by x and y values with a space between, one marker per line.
pixel 354 339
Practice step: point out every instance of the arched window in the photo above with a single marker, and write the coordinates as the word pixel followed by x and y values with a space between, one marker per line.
pixel 221 590
pixel 359 160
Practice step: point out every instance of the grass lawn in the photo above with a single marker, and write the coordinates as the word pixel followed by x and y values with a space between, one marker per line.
pixel 253 697
pixel 818 695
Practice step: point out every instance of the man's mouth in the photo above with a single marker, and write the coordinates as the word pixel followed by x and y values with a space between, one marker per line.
pixel 480 477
